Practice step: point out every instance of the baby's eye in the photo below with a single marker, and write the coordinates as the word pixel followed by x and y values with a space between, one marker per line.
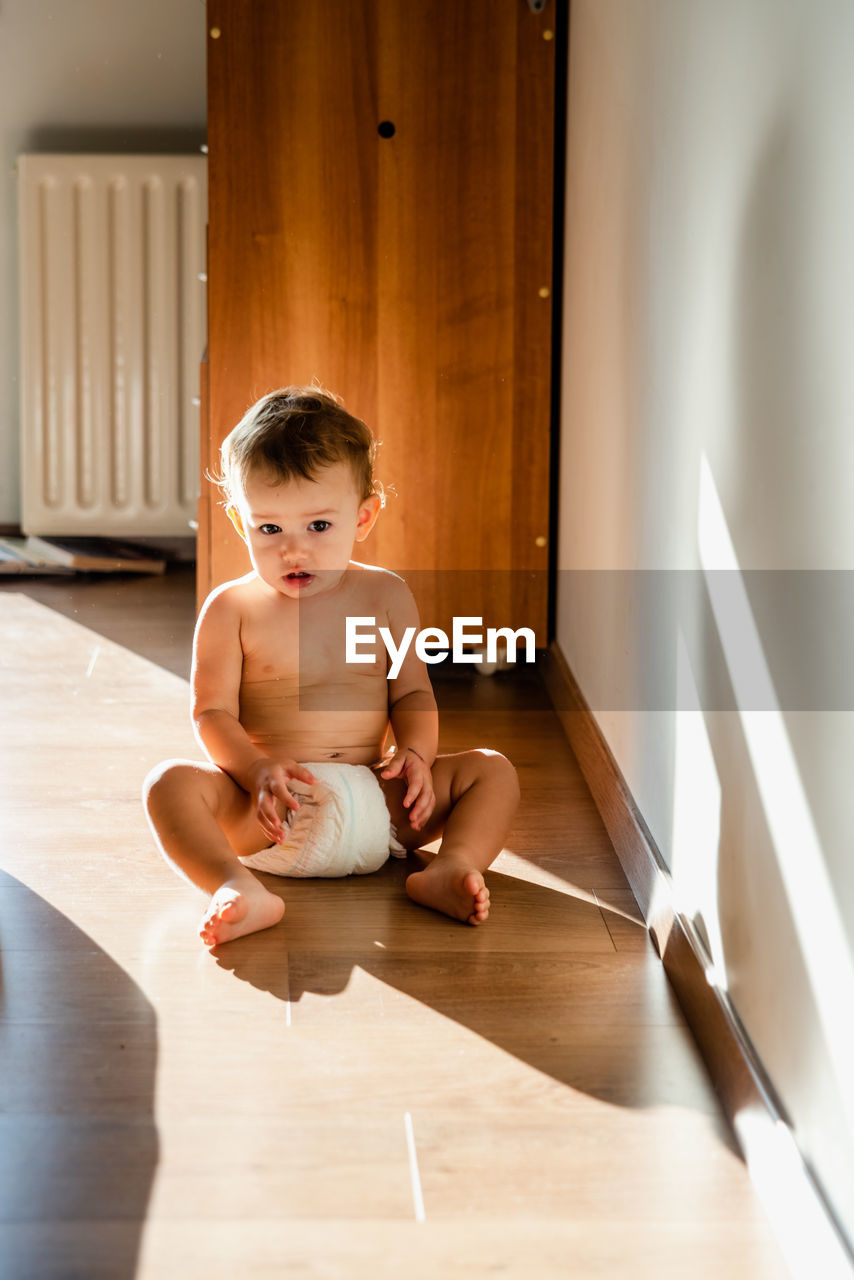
pixel 320 526
pixel 269 529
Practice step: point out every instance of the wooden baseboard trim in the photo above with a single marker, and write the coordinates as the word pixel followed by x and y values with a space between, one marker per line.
pixel 736 1072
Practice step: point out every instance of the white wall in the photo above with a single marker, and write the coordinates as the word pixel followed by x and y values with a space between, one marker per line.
pixel 708 422
pixel 86 75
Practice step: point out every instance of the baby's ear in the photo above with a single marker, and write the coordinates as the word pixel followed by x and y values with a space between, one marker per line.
pixel 368 512
pixel 234 516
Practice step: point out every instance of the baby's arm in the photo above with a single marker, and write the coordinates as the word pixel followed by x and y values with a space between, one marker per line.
pixel 412 712
pixel 217 670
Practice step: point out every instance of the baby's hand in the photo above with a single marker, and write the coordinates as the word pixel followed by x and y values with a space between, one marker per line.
pixel 269 789
pixel 407 764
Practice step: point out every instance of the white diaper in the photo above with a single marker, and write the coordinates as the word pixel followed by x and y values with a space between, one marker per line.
pixel 342 826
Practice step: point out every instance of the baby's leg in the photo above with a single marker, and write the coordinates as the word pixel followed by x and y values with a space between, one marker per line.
pixel 201 821
pixel 477 794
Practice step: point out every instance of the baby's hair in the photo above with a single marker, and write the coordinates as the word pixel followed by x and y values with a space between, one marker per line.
pixel 294 433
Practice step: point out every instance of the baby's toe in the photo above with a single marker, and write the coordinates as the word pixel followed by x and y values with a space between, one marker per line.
pixel 481 907
pixel 219 914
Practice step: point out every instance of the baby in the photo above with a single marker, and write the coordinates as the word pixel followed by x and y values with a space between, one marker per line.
pixel 272 691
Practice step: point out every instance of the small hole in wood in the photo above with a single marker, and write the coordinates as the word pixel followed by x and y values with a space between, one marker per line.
pixel 386 129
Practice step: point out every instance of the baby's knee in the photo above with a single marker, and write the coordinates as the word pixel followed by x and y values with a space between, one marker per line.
pixel 498 769
pixel 167 781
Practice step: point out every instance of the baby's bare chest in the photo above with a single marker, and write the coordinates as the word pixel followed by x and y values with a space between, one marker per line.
pixel 312 650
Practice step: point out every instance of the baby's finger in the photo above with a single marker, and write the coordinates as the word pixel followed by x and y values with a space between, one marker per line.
pixel 421 812
pixel 267 802
pixel 274 834
pixel 279 790
pixel 272 828
pixel 268 815
pixel 412 792
pixel 394 766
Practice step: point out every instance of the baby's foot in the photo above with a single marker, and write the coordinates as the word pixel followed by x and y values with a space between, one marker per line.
pixel 238 908
pixel 453 887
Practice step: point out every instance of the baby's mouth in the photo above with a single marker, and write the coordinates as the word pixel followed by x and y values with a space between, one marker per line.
pixel 299 577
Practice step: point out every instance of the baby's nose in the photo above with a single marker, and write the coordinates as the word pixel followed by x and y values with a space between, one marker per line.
pixel 292 547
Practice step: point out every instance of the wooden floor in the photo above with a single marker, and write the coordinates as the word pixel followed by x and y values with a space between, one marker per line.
pixel 368 1089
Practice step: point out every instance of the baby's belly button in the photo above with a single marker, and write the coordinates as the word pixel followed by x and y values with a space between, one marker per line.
pixel 351 755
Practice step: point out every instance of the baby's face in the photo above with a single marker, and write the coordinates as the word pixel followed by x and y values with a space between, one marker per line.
pixel 301 533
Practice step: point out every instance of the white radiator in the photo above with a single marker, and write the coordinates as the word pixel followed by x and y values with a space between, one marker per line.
pixel 113 323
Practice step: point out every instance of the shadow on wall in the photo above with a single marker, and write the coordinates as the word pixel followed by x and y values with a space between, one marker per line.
pixel 78 1143
pixel 123 140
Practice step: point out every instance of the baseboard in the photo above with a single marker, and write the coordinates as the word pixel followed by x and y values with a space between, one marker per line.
pixel 750 1103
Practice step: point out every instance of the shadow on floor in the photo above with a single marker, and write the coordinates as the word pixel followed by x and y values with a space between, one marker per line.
pixel 540 981
pixel 78 1143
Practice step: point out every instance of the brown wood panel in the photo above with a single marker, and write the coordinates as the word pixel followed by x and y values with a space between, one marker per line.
pixel 403 273
pixel 292 200
pixel 205 507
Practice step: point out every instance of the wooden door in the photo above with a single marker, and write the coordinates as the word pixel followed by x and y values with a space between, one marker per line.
pixel 381 220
